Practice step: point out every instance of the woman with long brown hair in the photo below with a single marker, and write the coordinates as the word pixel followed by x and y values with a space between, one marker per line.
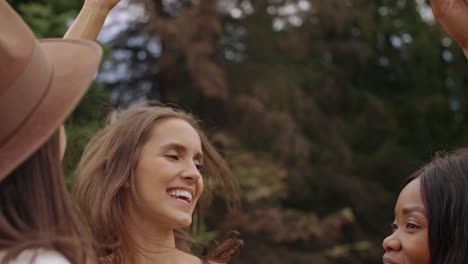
pixel 39 87
pixel 140 180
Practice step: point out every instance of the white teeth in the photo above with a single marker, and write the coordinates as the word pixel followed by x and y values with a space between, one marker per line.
pixel 181 193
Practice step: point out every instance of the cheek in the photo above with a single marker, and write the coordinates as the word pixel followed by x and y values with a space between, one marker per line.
pixel 417 249
pixel 154 171
pixel 149 181
pixel 150 192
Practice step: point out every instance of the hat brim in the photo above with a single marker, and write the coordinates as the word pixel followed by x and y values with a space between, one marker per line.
pixel 75 64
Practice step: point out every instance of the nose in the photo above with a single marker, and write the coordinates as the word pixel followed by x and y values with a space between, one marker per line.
pixel 391 243
pixel 191 172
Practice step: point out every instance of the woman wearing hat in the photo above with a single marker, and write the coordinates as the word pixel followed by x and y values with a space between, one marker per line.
pixel 39 87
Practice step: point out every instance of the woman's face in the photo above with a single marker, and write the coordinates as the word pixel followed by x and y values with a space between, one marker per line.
pixel 409 242
pixel 167 177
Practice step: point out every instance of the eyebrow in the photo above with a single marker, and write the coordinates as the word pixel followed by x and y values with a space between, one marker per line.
pixel 409 210
pixel 180 147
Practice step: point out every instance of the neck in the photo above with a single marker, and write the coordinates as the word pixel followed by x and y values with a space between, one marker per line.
pixel 150 241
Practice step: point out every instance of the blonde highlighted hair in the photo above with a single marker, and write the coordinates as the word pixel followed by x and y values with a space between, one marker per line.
pixel 109 162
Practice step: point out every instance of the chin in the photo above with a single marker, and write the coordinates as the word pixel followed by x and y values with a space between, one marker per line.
pixel 182 222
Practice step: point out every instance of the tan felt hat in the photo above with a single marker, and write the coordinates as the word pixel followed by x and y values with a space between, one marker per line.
pixel 41 82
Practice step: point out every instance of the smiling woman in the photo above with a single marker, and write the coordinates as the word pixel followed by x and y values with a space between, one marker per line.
pixel 431 217
pixel 139 182
pixel 167 179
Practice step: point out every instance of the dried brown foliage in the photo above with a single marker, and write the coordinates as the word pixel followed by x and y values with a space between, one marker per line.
pixel 189 43
pixel 284 141
pixel 280 226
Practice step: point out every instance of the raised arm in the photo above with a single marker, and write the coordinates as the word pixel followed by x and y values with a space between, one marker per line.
pixel 453 16
pixel 90 20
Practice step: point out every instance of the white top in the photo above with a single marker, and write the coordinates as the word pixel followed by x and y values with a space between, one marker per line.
pixel 37 256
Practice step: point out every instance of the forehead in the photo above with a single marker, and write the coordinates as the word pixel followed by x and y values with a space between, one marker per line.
pixel 410 196
pixel 175 130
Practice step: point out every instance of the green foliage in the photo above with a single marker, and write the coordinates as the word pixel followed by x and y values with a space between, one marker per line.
pixel 368 88
pixel 87 118
pixel 201 234
pixel 327 114
pixel 47 18
pixel 44 21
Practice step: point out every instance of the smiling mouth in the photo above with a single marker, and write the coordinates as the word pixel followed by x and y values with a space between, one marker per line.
pixel 182 195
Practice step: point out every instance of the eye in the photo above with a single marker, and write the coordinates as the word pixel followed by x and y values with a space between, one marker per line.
pixel 411 226
pixel 199 167
pixel 172 157
pixel 393 227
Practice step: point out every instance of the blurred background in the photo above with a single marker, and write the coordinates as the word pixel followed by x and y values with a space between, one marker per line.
pixel 322 108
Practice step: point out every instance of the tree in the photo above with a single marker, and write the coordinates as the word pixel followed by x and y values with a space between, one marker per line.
pixel 320 107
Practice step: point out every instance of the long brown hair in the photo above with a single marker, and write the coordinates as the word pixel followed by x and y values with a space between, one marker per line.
pixel 35 209
pixel 109 162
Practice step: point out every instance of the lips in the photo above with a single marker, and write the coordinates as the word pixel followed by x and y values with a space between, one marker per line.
pixel 388 260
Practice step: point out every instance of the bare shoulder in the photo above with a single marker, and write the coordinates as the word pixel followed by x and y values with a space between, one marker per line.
pixel 188 258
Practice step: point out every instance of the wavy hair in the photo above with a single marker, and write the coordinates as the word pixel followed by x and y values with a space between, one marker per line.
pixel 109 162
